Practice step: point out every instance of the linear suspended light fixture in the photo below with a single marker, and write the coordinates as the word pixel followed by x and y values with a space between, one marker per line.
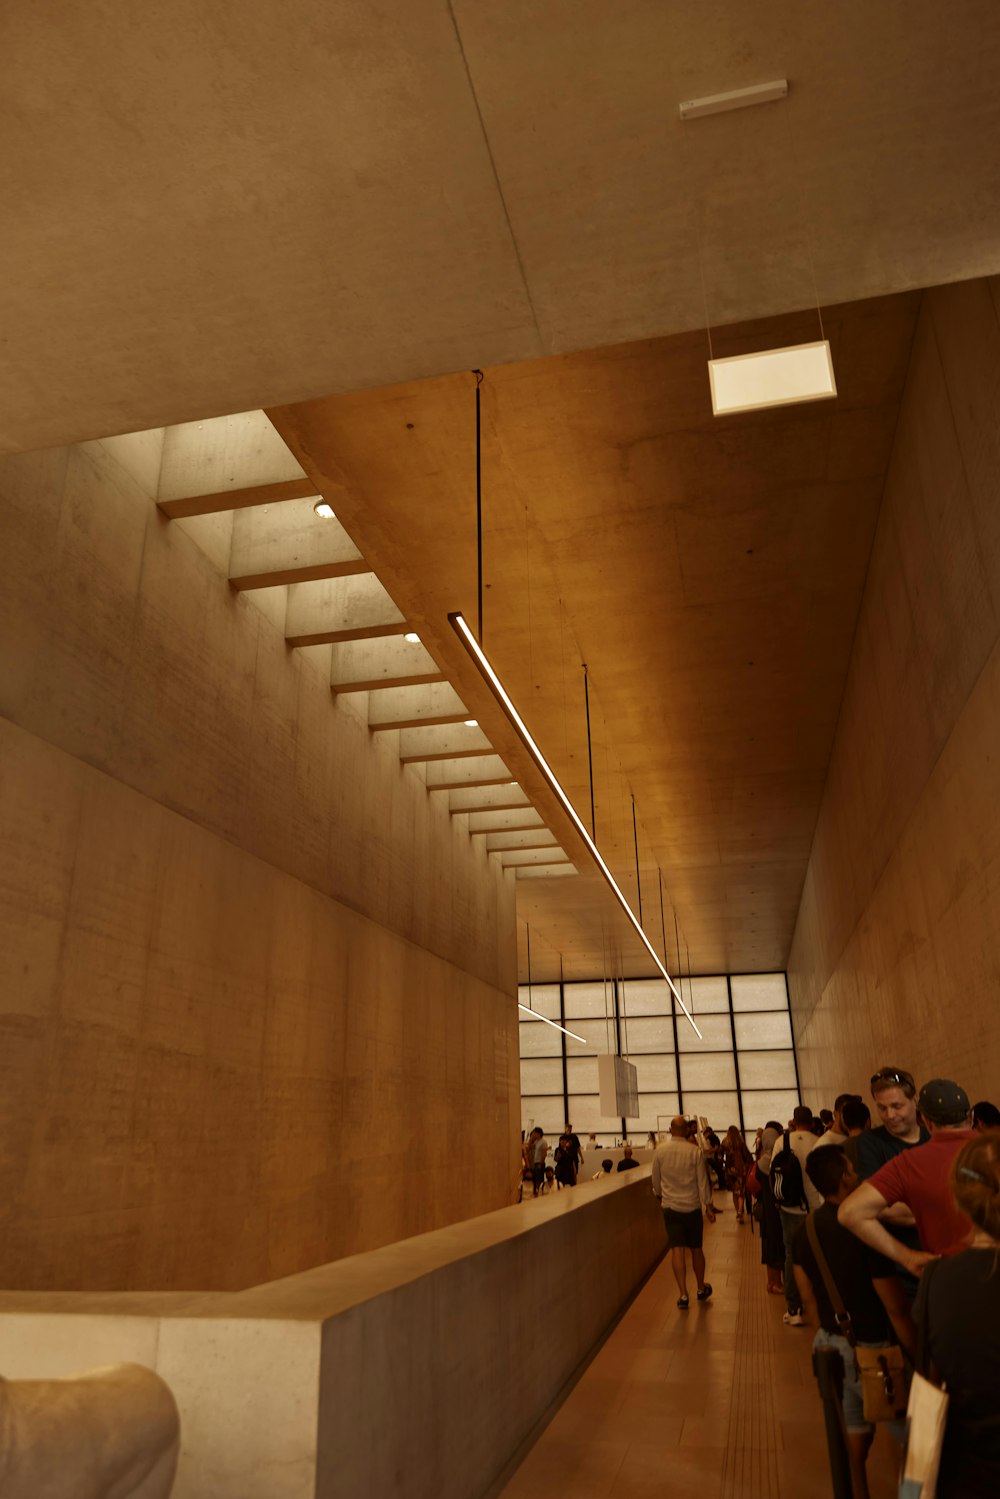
pixel 737 98
pixel 535 1016
pixel 777 377
pixel 475 650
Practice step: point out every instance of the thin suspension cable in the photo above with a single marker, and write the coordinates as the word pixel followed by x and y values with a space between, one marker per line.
pixel 527 589
pixel 529 1008
pixel 590 752
pixel 475 650
pixel 638 876
pixel 805 217
pixel 479 501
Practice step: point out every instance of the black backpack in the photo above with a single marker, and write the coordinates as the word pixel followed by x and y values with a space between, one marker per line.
pixel 787 1186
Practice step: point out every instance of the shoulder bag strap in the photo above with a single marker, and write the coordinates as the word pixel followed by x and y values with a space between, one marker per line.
pixel 839 1310
pixel 923 1359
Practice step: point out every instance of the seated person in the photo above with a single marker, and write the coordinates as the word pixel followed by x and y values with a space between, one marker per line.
pixel 549 1184
pixel 627 1163
pixel 604 1171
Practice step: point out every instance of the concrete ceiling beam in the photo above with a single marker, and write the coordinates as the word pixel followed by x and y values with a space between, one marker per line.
pixel 454 741
pixel 452 775
pixel 516 820
pixel 520 858
pixel 390 661
pixel 340 609
pixel 487 799
pixel 235 499
pixel 224 463
pixel 412 707
pixel 509 842
pixel 289 543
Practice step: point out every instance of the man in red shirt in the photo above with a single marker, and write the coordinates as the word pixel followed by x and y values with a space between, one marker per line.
pixel 919 1178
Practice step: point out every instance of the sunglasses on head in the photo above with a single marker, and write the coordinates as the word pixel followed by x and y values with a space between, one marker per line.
pixel 890 1075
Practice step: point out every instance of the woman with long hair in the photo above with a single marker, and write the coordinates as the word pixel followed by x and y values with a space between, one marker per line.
pixel 958 1314
pixel 736 1160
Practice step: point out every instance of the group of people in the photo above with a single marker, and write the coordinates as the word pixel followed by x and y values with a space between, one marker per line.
pixel 881 1237
pixel 567 1166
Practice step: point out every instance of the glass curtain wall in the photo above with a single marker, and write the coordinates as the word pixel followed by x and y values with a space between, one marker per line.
pixel 743 1071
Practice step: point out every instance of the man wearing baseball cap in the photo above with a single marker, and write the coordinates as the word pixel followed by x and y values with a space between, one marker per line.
pixel 919 1178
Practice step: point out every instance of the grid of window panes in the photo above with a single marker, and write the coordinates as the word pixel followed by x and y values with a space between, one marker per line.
pixel 742 1071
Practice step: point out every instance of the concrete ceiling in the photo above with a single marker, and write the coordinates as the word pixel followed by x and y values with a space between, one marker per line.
pixel 709 573
pixel 210 208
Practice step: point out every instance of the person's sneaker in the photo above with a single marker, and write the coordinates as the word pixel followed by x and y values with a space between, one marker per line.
pixel 705 1292
pixel 794 1319
pixel 682 1302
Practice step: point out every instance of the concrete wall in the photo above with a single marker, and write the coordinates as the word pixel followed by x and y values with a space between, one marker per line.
pixel 417 1371
pixel 896 955
pixel 254 981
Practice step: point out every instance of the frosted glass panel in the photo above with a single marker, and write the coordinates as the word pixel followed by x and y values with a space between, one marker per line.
pixel 585 1115
pixel 704 1072
pixel 598 1037
pixel 759 1107
pixel 759 991
pixel 650 1105
pixel 767 1069
pixel 543 998
pixel 656 1074
pixel 763 1031
pixel 544 1111
pixel 648 1033
pixel 645 997
pixel 704 996
pixel 538 1039
pixel 705 1069
pixel 715 1029
pixel 581 1074
pixel 583 1000
pixel 542 1077
pixel 720 1109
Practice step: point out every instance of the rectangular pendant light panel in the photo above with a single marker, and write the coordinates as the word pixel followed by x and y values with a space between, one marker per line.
pixel 619 1085
pixel 778 377
pixel 738 98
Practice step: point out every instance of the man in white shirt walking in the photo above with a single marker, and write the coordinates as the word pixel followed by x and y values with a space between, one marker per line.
pixel 680 1181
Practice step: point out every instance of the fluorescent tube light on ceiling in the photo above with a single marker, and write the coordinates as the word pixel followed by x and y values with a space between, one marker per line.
pixel 737 98
pixel 475 650
pixel 777 377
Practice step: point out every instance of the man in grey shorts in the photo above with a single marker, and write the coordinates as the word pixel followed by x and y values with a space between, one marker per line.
pixel 680 1181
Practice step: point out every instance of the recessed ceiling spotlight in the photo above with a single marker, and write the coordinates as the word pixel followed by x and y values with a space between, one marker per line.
pixel 412 638
pixel 326 511
pixel 472 723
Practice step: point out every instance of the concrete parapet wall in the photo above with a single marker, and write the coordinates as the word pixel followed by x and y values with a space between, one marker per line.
pixel 418 1369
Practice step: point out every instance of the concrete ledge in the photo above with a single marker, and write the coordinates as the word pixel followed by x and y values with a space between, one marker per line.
pixel 418 1369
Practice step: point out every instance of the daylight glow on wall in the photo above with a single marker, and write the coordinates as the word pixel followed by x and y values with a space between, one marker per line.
pixel 777 377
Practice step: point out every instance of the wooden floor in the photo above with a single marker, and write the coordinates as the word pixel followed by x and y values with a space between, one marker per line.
pixel 718 1402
